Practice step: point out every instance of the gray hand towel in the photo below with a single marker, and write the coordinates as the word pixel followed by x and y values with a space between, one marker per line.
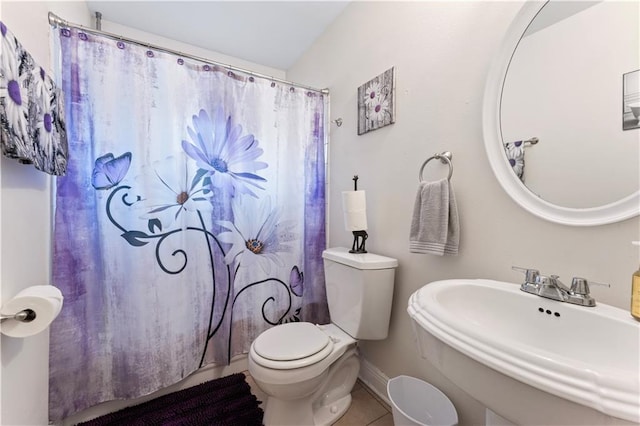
pixel 434 226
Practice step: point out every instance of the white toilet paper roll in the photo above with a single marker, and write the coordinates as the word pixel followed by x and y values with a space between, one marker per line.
pixel 354 205
pixel 45 302
pixel 355 220
pixel 44 291
pixel 354 201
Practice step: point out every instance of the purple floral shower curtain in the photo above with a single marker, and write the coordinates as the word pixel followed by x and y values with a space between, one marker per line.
pixel 190 220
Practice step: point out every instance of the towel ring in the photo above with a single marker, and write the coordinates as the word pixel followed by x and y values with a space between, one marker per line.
pixel 444 157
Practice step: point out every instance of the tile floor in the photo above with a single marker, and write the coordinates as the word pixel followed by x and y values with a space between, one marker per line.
pixel 366 408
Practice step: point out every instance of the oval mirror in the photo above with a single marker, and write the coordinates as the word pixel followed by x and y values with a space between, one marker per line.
pixel 561 112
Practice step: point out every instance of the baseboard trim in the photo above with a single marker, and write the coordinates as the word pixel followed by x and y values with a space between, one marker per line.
pixel 375 379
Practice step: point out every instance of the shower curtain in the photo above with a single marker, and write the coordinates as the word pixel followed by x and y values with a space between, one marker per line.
pixel 191 219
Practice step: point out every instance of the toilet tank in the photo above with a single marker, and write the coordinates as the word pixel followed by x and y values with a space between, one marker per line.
pixel 359 292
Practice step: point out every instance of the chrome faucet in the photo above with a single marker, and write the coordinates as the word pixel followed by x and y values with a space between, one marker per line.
pixel 552 288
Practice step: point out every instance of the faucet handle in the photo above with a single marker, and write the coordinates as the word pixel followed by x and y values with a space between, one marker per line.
pixel 530 275
pixel 581 285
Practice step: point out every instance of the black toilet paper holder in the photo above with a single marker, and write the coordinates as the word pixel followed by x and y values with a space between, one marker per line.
pixel 359 237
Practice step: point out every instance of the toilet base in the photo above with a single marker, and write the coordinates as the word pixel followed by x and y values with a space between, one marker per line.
pixel 327 415
pixel 325 406
pixel 298 414
pixel 284 412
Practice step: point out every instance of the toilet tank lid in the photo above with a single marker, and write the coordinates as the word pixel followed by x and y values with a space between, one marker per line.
pixel 359 260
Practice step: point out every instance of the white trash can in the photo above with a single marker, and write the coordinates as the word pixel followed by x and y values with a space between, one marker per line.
pixel 416 402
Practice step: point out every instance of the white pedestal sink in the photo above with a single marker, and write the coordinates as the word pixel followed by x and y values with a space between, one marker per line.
pixel 532 360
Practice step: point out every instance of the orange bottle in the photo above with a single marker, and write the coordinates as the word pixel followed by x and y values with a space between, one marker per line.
pixel 635 292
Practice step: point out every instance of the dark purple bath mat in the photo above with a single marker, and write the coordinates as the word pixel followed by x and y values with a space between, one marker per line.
pixel 226 402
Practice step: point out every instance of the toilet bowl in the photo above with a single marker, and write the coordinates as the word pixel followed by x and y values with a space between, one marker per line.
pixel 302 385
pixel 309 370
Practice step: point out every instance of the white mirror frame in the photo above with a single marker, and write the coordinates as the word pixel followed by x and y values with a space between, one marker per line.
pixel 609 213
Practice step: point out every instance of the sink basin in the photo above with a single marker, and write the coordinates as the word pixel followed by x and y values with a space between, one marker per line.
pixel 532 350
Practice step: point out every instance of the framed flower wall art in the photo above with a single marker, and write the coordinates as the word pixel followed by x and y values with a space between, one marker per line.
pixel 376 102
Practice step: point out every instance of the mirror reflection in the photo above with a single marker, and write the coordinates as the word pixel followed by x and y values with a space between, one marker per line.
pixel 564 112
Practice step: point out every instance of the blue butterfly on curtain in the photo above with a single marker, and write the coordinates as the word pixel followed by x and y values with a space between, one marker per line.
pixel 109 171
pixel 226 161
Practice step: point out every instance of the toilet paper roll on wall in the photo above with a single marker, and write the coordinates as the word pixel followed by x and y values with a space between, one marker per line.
pixel 354 206
pixel 45 300
pixel 44 291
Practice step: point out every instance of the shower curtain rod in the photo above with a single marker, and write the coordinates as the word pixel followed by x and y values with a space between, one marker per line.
pixel 55 21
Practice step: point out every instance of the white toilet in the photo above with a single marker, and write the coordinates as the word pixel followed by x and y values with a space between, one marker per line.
pixel 308 370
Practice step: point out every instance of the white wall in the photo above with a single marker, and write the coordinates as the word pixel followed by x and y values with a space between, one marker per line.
pixel 442 52
pixel 26 242
pixel 25 227
pixel 157 40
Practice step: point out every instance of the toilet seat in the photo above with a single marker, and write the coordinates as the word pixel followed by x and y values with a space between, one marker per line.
pixel 290 346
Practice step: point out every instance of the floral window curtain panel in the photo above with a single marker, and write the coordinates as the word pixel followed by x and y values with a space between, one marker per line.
pixel 32 128
pixel 192 218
